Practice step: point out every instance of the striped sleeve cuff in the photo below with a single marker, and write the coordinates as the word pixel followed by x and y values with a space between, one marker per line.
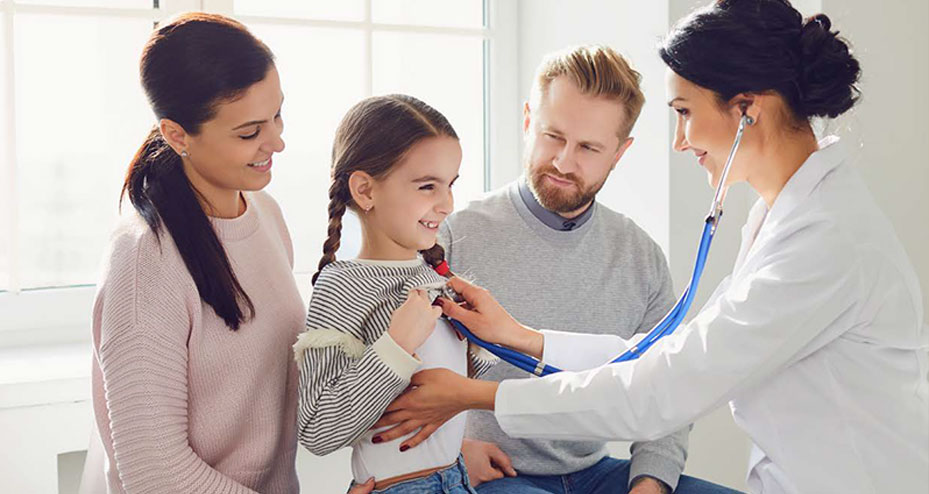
pixel 395 357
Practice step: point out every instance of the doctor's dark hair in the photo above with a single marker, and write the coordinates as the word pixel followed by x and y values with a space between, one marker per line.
pixel 753 46
pixel 376 134
pixel 189 67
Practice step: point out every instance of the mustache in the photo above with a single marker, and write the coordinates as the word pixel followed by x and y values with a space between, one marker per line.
pixel 551 170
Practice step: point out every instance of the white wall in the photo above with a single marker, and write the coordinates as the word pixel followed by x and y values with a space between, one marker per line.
pixel 890 124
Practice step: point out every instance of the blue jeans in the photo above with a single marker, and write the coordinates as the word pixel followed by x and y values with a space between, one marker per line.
pixel 609 475
pixel 451 480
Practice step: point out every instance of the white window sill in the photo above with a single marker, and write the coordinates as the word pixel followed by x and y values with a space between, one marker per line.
pixel 44 374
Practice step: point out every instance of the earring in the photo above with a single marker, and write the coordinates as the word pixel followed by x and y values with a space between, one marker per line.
pixel 184 154
pixel 368 209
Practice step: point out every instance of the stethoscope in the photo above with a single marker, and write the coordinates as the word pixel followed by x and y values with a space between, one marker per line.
pixel 671 320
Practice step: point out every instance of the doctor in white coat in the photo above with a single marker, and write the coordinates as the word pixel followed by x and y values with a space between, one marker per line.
pixel 816 340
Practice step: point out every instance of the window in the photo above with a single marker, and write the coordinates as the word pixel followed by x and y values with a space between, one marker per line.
pixel 74 115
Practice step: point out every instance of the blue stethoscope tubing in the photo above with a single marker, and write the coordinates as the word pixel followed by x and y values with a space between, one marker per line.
pixel 670 321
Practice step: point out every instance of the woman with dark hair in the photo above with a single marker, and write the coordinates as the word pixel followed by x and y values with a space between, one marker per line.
pixel 194 386
pixel 816 339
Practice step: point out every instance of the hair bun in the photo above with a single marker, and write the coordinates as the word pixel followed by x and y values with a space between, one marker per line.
pixel 829 74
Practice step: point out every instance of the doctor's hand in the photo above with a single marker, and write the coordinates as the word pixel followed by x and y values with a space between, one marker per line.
pixel 487 319
pixel 485 462
pixel 434 397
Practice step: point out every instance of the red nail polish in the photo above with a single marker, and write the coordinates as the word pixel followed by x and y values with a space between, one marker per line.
pixel 404 448
pixel 377 439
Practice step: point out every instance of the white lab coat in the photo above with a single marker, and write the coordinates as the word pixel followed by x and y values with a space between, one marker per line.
pixel 816 340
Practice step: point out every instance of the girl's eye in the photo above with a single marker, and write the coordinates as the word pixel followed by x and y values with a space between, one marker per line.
pixel 682 111
pixel 427 187
pixel 252 135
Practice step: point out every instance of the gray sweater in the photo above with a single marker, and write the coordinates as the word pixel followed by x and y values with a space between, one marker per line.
pixel 605 275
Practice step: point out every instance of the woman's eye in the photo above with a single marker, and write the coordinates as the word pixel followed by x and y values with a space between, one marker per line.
pixel 427 187
pixel 682 111
pixel 252 135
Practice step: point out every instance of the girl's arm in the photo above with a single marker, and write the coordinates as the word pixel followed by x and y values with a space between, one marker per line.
pixel 345 386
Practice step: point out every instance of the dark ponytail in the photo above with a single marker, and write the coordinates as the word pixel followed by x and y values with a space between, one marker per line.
pixel 752 46
pixel 374 136
pixel 188 68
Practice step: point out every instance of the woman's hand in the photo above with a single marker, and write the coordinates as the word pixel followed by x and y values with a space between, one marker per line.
pixel 413 321
pixel 434 397
pixel 489 321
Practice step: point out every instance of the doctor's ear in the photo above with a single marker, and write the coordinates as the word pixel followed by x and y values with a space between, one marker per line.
pixel 361 186
pixel 747 104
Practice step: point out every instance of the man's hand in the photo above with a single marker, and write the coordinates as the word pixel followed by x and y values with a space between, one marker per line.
pixel 365 488
pixel 434 397
pixel 485 462
pixel 649 485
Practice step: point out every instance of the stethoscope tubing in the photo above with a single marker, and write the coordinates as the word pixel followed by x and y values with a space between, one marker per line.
pixel 669 322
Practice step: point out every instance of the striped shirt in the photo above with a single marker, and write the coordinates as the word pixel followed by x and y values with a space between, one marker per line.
pixel 351 369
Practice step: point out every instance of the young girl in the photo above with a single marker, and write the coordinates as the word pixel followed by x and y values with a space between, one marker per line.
pixel 371 321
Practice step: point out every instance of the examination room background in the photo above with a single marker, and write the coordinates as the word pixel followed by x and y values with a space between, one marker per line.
pixel 45 414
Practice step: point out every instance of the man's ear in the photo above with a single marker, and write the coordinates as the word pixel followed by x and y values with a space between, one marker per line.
pixel 361 186
pixel 527 117
pixel 174 135
pixel 623 146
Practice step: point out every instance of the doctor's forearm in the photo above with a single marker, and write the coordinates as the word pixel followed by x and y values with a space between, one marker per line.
pixel 527 340
pixel 478 395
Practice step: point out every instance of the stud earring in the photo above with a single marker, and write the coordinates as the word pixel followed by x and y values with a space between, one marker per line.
pixel 185 154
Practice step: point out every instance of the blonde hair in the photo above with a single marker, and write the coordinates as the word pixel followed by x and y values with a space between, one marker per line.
pixel 596 70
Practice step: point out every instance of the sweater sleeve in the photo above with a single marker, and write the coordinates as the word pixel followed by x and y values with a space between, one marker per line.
pixel 345 386
pixel 141 349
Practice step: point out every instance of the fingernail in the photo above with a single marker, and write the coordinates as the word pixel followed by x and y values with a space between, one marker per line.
pixel 377 439
pixel 404 448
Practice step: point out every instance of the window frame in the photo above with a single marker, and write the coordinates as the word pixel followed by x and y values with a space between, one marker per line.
pixel 63 314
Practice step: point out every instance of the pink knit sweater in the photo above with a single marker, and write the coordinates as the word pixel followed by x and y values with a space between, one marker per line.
pixel 183 403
